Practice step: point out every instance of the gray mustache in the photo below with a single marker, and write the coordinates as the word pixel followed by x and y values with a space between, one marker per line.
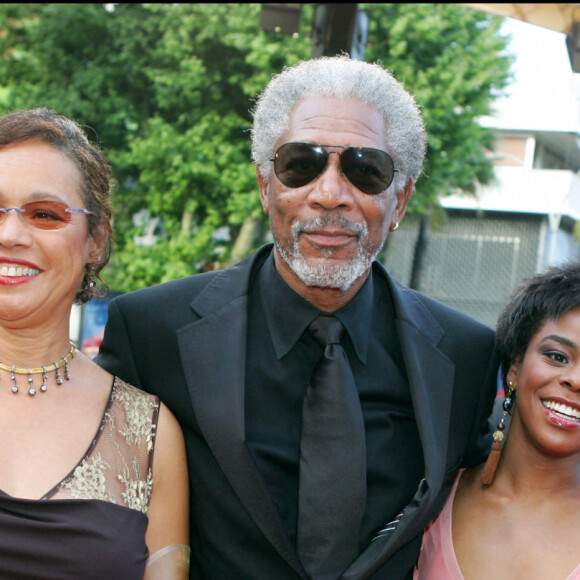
pixel 330 219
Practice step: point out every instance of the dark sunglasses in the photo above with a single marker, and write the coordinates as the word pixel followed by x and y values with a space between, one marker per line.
pixel 370 170
pixel 44 215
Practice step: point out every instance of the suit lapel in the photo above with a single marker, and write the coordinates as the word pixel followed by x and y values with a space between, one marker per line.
pixel 430 376
pixel 216 384
pixel 213 354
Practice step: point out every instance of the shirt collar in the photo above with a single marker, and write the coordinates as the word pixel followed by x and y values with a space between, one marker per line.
pixel 357 317
pixel 287 314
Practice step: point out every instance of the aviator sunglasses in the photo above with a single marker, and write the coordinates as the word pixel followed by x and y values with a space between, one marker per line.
pixel 370 170
pixel 44 215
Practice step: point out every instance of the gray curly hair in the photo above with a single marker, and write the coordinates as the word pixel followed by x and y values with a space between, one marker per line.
pixel 343 78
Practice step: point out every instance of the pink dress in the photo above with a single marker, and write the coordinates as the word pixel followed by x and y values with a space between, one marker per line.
pixel 437 559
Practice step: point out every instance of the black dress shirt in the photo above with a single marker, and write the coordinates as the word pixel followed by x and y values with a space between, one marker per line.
pixel 280 359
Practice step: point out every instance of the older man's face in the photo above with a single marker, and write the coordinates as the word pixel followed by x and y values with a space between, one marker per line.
pixel 328 232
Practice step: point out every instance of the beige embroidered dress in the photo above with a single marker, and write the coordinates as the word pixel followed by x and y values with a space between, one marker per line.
pixel 92 524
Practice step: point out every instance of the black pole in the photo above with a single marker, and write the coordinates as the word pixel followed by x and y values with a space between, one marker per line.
pixel 334 29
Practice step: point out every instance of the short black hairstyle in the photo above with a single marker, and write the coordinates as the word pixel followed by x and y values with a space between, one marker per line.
pixel 546 296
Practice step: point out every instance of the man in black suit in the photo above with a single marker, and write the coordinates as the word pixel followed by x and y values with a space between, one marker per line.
pixel 338 146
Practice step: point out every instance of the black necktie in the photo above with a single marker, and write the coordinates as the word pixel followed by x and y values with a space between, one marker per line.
pixel 332 487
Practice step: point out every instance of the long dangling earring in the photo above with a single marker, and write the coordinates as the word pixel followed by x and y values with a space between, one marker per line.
pixel 490 466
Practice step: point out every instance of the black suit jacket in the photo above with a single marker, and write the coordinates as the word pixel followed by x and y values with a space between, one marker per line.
pixel 186 342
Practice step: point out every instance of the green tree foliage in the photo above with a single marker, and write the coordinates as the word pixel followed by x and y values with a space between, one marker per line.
pixel 453 60
pixel 168 88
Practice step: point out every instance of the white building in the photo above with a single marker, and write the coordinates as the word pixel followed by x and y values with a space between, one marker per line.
pixel 525 220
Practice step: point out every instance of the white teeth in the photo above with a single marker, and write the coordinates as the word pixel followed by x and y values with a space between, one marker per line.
pixel 18 271
pixel 561 409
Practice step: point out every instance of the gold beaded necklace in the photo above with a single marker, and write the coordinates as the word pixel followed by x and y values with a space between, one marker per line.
pixel 43 370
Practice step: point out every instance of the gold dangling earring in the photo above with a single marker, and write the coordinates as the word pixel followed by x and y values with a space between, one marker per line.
pixel 395 227
pixel 490 466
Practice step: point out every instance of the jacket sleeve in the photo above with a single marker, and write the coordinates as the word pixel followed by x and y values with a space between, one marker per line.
pixel 480 439
pixel 116 352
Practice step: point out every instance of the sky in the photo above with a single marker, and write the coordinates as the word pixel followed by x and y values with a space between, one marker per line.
pixel 545 93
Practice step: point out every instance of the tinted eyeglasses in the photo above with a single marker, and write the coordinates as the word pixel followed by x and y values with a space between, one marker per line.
pixel 44 215
pixel 370 170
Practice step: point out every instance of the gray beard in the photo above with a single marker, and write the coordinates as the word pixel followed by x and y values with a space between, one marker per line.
pixel 323 273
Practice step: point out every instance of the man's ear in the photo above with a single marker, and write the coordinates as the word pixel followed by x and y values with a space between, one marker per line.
pixel 263 187
pixel 403 198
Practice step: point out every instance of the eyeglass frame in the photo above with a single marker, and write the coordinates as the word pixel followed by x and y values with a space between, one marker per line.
pixel 328 153
pixel 19 211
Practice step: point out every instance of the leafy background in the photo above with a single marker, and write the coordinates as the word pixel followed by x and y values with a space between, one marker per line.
pixel 167 91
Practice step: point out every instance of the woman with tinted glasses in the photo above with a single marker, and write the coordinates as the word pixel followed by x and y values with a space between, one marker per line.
pixel 82 493
pixel 516 516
